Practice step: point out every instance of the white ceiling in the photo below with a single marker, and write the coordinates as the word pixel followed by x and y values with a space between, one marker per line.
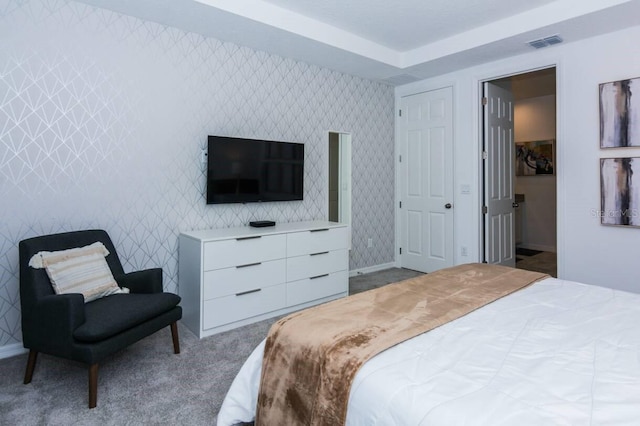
pixel 396 42
pixel 407 24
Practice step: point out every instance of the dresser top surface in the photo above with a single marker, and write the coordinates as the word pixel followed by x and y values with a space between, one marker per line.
pixel 248 231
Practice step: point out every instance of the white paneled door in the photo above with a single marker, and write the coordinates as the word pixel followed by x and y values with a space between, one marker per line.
pixel 425 131
pixel 499 176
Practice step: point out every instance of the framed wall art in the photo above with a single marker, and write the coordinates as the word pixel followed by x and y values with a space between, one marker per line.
pixel 620 113
pixel 620 191
pixel 535 158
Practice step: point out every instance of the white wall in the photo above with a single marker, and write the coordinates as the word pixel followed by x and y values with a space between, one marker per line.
pixel 587 251
pixel 103 116
pixel 535 119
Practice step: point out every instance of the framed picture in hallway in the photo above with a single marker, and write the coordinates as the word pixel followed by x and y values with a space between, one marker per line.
pixel 535 158
pixel 620 191
pixel 620 114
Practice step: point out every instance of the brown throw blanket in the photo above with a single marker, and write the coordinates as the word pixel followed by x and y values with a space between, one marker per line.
pixel 312 356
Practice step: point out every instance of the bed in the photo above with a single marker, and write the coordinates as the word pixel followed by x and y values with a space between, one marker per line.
pixel 555 352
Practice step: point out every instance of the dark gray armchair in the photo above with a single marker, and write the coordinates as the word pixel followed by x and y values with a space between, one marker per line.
pixel 63 325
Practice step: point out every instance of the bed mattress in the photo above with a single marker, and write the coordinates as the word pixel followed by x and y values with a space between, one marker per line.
pixel 557 352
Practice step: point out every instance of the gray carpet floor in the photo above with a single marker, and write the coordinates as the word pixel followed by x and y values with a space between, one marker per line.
pixel 145 383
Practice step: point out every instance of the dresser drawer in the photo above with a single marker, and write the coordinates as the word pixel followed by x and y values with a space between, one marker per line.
pixel 308 289
pixel 316 241
pixel 238 279
pixel 228 309
pixel 311 265
pixel 243 251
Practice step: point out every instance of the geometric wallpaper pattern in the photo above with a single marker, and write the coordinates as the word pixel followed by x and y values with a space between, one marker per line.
pixel 103 118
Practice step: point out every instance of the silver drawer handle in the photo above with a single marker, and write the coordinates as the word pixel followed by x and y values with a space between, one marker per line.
pixel 319 276
pixel 248 264
pixel 248 292
pixel 248 238
pixel 319 230
pixel 318 254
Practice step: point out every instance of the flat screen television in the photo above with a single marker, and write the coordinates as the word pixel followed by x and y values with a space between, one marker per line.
pixel 252 170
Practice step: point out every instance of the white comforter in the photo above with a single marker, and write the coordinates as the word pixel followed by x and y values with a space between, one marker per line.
pixel 555 353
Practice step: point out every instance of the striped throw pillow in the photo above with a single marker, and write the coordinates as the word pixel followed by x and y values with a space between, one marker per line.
pixel 78 270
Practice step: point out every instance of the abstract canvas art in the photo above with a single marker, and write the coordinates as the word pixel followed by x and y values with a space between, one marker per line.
pixel 620 113
pixel 534 158
pixel 620 191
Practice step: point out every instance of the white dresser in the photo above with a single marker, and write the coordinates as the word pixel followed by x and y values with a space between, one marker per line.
pixel 235 276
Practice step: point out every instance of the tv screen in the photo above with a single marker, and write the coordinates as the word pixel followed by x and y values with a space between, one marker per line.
pixel 251 170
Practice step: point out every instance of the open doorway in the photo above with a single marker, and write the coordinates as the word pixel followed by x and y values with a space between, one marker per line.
pixel 533 238
pixel 339 183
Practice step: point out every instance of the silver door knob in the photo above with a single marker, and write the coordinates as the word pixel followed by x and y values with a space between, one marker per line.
pixel 514 205
pixel 448 206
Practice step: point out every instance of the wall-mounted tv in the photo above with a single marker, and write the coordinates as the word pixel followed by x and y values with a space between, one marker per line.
pixel 252 170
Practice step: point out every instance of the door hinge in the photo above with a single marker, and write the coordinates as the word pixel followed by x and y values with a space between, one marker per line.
pixel 485 155
pixel 485 210
pixel 399 113
pixel 400 250
pixel 485 100
pixel 400 204
pixel 400 158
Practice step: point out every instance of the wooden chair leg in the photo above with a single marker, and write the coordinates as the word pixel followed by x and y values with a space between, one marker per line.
pixel 31 365
pixel 174 336
pixel 93 385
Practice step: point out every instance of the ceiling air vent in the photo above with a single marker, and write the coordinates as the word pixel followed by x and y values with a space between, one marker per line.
pixel 554 39
pixel 546 41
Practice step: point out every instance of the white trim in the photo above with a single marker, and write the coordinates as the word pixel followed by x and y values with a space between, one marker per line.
pixel 401 92
pixel 507 30
pixel 561 159
pixel 344 173
pixel 369 269
pixel 345 176
pixel 7 351
pixel 313 29
pixel 516 67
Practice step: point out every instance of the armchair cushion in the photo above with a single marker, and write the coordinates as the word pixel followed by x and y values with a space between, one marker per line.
pixel 78 270
pixel 114 314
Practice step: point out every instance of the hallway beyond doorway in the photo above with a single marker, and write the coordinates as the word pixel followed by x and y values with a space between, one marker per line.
pixel 538 261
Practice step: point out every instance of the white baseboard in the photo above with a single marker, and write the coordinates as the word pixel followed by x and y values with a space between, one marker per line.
pixel 540 247
pixel 370 269
pixel 7 351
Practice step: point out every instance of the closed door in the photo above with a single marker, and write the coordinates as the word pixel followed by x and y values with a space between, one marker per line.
pixel 499 191
pixel 426 180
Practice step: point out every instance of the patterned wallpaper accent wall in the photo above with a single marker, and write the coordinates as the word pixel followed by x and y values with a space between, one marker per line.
pixel 103 116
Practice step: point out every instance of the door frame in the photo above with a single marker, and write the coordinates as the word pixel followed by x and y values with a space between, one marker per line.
pixel 560 151
pixel 400 179
pixel 345 160
pixel 399 93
